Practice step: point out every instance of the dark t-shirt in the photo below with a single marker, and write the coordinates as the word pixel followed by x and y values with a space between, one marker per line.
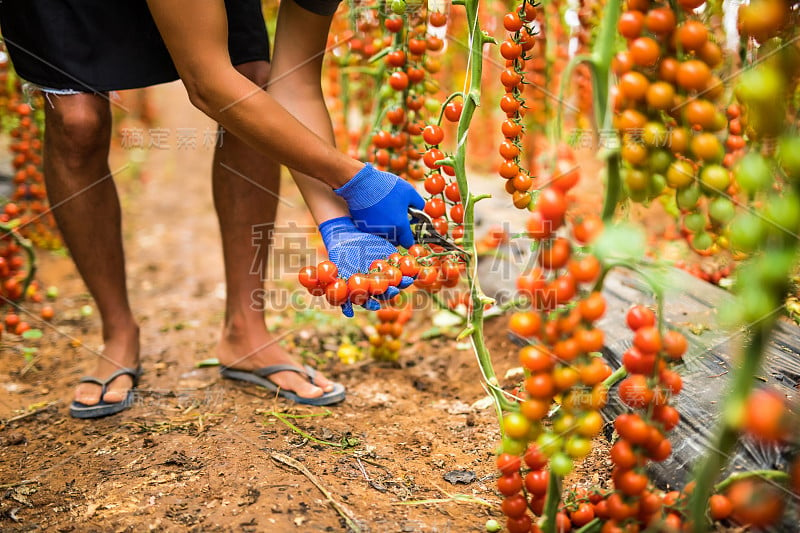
pixel 106 45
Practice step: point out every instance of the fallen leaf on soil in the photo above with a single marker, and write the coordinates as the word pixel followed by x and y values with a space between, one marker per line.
pixel 465 477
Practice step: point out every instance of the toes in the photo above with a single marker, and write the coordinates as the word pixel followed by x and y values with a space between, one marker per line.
pixel 301 386
pixel 87 394
pixel 117 391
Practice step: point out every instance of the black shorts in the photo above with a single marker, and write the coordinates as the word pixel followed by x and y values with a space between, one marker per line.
pixel 109 45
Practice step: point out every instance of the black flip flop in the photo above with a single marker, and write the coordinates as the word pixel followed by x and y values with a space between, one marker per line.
pixel 103 408
pixel 260 377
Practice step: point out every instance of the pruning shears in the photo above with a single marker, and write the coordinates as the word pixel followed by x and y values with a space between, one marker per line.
pixel 425 231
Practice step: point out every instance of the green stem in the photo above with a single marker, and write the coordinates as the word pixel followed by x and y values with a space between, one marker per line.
pixel 618 375
pixel 771 475
pixel 592 527
pixel 471 101
pixel 551 504
pixel 602 54
pixel 613 186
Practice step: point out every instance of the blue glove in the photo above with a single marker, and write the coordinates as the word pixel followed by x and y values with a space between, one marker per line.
pixel 379 203
pixel 354 251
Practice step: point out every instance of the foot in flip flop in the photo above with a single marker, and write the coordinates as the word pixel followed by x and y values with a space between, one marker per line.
pixel 262 361
pixel 108 389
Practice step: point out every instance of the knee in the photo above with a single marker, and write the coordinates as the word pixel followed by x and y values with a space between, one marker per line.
pixel 79 126
pixel 255 71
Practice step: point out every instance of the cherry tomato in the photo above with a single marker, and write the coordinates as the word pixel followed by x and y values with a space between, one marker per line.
pixel 645 51
pixel 307 277
pixel 630 24
pixel 632 428
pixel 764 416
pixel 647 339
pixel 540 385
pixel 514 506
pixel 452 193
pixel 623 455
pixel 640 316
pixel 720 507
pixel 359 288
pixel 327 272
pixel 555 254
pixel 398 81
pixel 434 184
pixel 755 503
pixel 408 266
pixel 552 205
pixel 452 110
pixel 510 49
pixel 336 292
pixel 509 484
pixel 525 324
pixel 433 134
pixel 635 392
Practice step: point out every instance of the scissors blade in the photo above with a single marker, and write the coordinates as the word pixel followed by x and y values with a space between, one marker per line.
pixel 425 231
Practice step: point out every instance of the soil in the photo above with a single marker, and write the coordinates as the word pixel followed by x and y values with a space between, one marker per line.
pixel 197 453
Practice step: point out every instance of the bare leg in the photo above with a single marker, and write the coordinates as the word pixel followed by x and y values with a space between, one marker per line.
pixel 246 197
pixel 80 186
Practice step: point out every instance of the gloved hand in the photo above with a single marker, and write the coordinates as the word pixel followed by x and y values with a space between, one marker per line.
pixel 354 251
pixel 379 203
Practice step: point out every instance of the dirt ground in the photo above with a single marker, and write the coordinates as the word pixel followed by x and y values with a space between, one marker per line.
pixel 196 453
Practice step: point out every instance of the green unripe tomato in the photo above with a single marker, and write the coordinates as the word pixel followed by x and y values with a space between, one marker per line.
pixel 657 184
pixel 687 197
pixel 715 178
pixel 659 161
pixel 747 232
pixel 636 180
pixel 756 303
pixel 782 214
pixel 695 222
pixel 433 105
pixel 516 426
pixel 753 173
pixel 561 464
pixel 721 210
pixel 398 7
pixel 789 156
pixel 548 443
pixel 774 268
pixel 578 447
pixel 564 423
pixel 493 526
pixel 702 241
pixel 654 134
pixel 761 85
pixel 513 446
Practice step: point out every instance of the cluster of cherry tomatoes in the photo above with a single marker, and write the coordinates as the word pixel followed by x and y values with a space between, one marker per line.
pixel 516 52
pixel 13 275
pixel 25 131
pixel 430 270
pixel 386 341
pixel 647 391
pixel 668 112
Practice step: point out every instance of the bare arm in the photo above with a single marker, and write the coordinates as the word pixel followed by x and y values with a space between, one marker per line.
pixel 199 48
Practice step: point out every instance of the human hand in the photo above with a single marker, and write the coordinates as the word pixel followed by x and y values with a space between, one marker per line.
pixel 379 203
pixel 352 251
